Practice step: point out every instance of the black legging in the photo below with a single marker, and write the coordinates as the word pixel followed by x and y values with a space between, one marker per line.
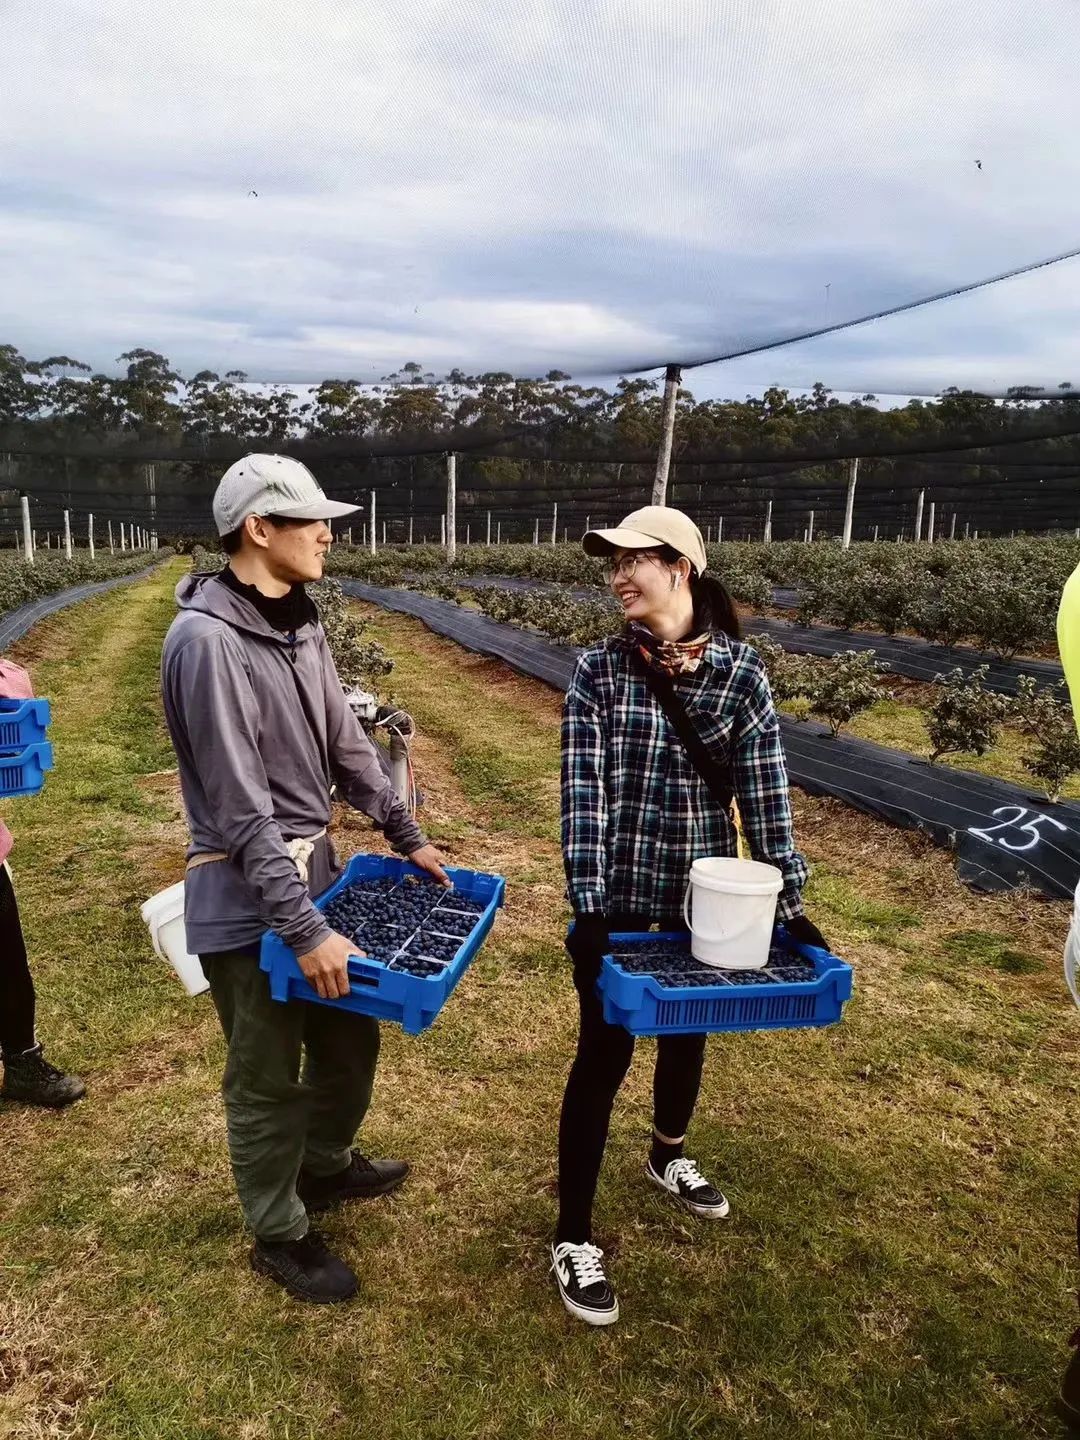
pixel 603 1058
pixel 16 986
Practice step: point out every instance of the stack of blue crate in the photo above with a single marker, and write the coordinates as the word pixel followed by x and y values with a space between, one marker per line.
pixel 25 753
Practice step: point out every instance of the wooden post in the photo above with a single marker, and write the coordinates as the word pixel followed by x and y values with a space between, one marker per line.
pixel 875 534
pixel 451 507
pixel 672 376
pixel 488 541
pixel 468 534
pixel 768 523
pixel 498 534
pixel 371 524
pixel 555 523
pixel 918 515
pixel 410 529
pixel 123 539
pixel 67 534
pixel 849 512
pixel 90 534
pixel 810 530
pixel 720 530
pixel 952 527
pixel 930 526
pixel 27 533
pixel 442 531
pixel 384 532
pixel 536 532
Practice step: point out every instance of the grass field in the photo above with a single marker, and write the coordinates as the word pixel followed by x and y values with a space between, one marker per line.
pixel 900 1257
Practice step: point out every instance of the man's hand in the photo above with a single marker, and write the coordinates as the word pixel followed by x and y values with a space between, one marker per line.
pixel 428 858
pixel 327 966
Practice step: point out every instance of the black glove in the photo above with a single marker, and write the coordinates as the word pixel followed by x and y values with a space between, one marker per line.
pixel 805 932
pixel 587 943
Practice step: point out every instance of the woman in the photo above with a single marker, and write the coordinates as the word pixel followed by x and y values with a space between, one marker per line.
pixel 28 1076
pixel 635 815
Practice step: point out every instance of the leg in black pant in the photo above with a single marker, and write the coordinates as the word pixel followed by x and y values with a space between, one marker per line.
pixel 600 1065
pixel 28 1076
pixel 16 986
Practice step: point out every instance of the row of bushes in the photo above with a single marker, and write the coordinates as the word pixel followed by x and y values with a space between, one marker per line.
pixel 21 583
pixel 964 718
pixel 1001 595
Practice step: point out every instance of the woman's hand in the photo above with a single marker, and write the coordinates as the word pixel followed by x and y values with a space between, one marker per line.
pixel 805 932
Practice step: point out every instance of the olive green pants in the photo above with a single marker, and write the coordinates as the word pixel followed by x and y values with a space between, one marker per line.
pixel 297 1085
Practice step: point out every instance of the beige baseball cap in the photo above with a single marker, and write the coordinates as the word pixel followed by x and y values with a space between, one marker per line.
pixel 271 485
pixel 645 529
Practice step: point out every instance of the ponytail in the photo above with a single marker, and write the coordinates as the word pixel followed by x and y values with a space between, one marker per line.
pixel 714 608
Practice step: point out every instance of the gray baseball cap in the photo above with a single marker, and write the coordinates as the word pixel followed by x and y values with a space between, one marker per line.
pixel 271 485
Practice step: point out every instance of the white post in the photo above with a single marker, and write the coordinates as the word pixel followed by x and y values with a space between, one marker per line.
pixel 67 534
pixel 371 524
pixel 451 507
pixel 384 532
pixel 28 534
pixel 768 523
pixel 975 536
pixel 849 512
pixel 720 530
pixel 90 534
pixel 111 550
pixel 555 523
pixel 442 531
pixel 875 534
pixel 488 541
pixel 810 530
pixel 498 533
pixel 468 534
pixel 536 532
pixel 123 539
pixel 930 526
pixel 967 529
pixel 588 523
pixel 672 376
pixel 410 529
pixel 918 515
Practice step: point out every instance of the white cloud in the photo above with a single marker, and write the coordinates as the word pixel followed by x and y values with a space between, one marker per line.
pixel 522 187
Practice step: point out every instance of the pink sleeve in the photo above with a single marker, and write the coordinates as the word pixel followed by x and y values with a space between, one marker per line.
pixel 6 842
pixel 14 682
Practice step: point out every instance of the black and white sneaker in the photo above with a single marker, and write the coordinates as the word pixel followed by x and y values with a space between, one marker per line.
pixel 582 1283
pixel 685 1181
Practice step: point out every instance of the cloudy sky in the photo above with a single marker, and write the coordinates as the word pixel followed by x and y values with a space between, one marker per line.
pixel 594 185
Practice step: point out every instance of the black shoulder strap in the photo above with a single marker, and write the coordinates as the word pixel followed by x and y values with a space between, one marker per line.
pixel 716 775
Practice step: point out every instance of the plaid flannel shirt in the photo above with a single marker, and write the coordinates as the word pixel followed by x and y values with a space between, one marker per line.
pixel 635 812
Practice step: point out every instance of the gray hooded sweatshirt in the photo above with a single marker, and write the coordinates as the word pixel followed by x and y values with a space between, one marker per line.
pixel 261 727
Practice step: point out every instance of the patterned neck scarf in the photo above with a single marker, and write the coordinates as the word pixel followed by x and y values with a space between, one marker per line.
pixel 669 657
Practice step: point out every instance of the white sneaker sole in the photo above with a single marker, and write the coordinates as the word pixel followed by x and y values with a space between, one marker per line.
pixel 591 1317
pixel 706 1212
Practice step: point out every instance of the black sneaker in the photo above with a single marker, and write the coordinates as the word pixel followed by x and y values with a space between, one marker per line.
pixel 682 1179
pixel 1069 1396
pixel 29 1077
pixel 305 1268
pixel 362 1179
pixel 582 1283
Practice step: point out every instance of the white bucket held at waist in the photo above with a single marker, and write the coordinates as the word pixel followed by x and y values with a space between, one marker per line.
pixel 164 916
pixel 733 912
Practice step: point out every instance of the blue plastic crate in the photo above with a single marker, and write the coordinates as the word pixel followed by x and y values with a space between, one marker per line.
pixel 23 723
pixel 24 773
pixel 413 1001
pixel 642 1005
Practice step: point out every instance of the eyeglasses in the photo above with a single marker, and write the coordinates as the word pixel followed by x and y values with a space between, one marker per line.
pixel 626 566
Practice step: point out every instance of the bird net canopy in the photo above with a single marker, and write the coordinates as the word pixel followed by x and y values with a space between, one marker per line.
pixel 373 234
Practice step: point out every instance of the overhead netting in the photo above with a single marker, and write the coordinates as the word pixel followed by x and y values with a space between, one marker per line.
pixel 225 228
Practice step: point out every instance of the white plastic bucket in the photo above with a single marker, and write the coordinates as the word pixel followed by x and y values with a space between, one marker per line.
pixel 164 916
pixel 733 913
pixel 1072 950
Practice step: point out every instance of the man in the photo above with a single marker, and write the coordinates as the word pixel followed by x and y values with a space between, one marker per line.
pixel 261 729
pixel 1068 635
